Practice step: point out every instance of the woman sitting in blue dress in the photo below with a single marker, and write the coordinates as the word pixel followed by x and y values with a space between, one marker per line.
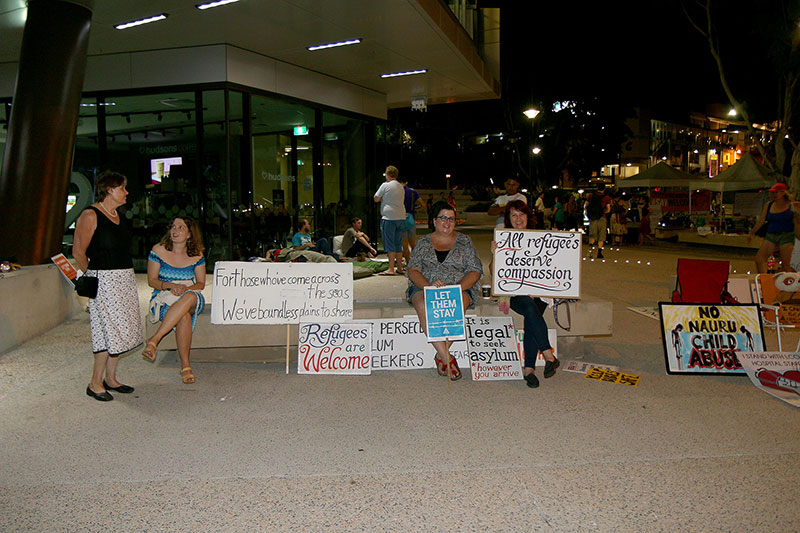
pixel 176 269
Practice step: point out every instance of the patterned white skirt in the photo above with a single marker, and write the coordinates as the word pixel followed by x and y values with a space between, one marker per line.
pixel 114 315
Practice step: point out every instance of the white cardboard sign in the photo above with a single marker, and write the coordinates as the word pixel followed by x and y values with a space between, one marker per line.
pixel 537 263
pixel 334 348
pixel 401 344
pixel 492 348
pixel 281 293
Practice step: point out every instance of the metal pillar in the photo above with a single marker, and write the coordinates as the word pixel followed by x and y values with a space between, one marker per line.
pixel 41 133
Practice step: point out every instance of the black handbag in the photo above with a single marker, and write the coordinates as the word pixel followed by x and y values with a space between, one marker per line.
pixel 86 286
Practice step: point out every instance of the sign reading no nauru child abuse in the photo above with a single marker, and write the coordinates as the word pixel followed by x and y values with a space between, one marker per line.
pixel 281 293
pixel 334 348
pixel 492 347
pixel 707 338
pixel 444 313
pixel 537 263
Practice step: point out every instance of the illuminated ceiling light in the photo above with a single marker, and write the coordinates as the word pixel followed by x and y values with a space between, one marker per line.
pixel 627 164
pixel 215 4
pixel 332 45
pixel 407 73
pixel 139 22
pixel 531 112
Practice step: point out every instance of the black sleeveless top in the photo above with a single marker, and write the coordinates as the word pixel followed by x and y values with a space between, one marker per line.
pixel 110 247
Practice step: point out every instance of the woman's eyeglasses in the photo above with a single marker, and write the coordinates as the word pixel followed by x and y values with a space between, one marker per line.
pixel 447 219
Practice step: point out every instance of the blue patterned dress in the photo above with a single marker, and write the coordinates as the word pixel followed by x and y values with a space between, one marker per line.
pixel 170 274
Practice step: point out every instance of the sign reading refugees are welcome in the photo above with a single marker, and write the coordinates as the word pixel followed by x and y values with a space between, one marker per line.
pixel 537 263
pixel 334 348
pixel 281 293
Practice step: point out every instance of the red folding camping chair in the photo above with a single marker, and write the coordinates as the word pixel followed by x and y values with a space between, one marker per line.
pixel 702 281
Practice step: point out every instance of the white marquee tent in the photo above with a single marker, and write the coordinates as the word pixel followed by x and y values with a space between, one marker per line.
pixel 659 175
pixel 747 174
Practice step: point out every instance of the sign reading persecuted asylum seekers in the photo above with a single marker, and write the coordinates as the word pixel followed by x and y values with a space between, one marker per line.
pixel 281 293
pixel 537 263
pixel 444 313
pixel 705 339
pixel 401 344
pixel 334 348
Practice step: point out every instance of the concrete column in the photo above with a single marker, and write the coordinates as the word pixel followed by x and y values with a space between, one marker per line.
pixel 41 134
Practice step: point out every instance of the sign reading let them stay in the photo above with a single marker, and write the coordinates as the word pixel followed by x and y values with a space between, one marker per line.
pixel 334 348
pixel 444 313
pixel 281 293
pixel 537 263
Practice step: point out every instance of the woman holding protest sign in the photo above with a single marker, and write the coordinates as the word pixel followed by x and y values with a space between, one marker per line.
pixel 520 216
pixel 443 257
pixel 176 269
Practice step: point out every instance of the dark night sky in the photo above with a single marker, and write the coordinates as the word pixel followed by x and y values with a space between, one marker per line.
pixel 637 52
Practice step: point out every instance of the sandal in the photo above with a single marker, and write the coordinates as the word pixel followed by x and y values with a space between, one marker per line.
pixel 147 353
pixel 187 375
pixel 441 368
pixel 455 373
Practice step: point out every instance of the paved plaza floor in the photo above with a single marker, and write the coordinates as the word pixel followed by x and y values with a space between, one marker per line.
pixel 249 448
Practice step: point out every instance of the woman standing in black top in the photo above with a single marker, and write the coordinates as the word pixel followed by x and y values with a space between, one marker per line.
pixel 102 250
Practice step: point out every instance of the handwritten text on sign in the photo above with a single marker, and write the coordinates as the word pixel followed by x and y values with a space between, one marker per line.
pixel 334 348
pixel 281 293
pixel 537 263
pixel 492 348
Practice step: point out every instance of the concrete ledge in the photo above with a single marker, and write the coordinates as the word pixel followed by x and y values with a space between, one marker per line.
pixel 33 300
pixel 589 318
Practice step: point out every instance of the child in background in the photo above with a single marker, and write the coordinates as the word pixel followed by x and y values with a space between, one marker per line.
pixel 644 227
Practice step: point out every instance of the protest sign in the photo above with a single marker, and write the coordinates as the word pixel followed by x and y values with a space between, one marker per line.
pixel 334 348
pixel 612 376
pixel 400 344
pixel 776 373
pixel 492 348
pixel 537 263
pixel 444 313
pixel 281 293
pixel 581 367
pixel 552 337
pixel 65 267
pixel 705 339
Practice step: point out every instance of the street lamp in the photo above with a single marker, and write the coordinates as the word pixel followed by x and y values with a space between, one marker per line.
pixel 531 112
pixel 536 150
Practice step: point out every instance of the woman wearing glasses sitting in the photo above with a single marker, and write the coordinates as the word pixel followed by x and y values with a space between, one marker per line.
pixel 443 257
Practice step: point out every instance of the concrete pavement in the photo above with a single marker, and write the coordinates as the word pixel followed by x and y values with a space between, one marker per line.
pixel 250 448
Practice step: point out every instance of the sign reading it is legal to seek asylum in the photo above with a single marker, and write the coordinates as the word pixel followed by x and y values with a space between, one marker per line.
pixel 492 347
pixel 334 348
pixel 281 293
pixel 537 263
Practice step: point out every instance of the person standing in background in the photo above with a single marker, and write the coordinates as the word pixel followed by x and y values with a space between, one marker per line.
pixel 411 201
pixel 498 208
pixel 391 196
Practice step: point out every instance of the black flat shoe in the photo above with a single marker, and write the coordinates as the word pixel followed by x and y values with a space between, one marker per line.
pixel 100 397
pixel 124 389
pixel 550 367
pixel 532 380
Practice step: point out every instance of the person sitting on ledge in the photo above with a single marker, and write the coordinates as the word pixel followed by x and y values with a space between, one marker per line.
pixel 355 242
pixel 302 240
pixel 176 269
pixel 444 257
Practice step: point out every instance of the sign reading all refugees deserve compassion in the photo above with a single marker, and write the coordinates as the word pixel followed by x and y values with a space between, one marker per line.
pixel 537 263
pixel 334 348
pixel 281 293
pixel 444 313
pixel 706 339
